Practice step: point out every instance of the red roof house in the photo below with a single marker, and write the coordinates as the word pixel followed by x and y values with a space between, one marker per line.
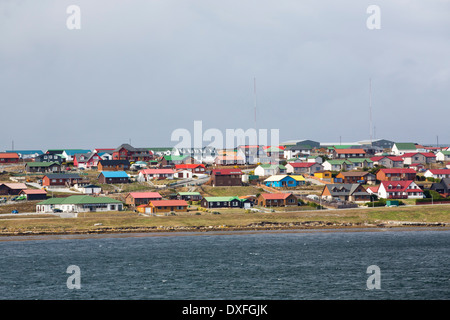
pixel 402 189
pixel 9 157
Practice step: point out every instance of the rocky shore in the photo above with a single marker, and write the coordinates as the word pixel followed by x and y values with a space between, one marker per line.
pixel 260 226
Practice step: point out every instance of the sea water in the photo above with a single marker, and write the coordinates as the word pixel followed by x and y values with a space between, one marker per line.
pixel 382 264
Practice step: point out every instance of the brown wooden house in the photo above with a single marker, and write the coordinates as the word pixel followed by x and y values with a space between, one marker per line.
pixel 226 177
pixel 113 165
pixel 357 177
pixel 9 157
pixel 12 188
pixel 34 194
pixel 280 199
pixel 386 174
pixel 61 179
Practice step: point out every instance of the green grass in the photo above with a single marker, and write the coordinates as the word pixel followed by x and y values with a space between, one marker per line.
pixel 120 221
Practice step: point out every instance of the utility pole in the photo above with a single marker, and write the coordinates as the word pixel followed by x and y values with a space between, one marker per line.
pixel 370 109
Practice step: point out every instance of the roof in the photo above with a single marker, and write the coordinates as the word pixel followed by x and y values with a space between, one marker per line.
pixel 225 172
pixel 80 200
pixel 159 203
pixel 302 164
pixel 220 199
pixel 189 193
pixel 25 151
pixel 344 189
pixel 175 158
pixel 279 177
pixel 345 151
pixel 393 170
pixel 406 146
pixel 272 166
pixel 189 165
pixel 439 171
pixel 34 191
pixel 425 154
pixel 298 177
pixel 71 152
pixel 393 158
pixel 114 174
pixel 356 160
pixel 339 161
pixel 114 162
pixel 15 185
pixel 157 171
pixel 145 195
pixel 404 185
pixel 63 176
pixel 9 155
pixel 275 196
pixel 354 173
pixel 41 164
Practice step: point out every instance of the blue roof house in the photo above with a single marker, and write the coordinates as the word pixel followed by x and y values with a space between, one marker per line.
pixel 113 177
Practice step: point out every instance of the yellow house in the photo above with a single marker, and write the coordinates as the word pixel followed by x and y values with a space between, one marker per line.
pixel 300 179
pixel 323 174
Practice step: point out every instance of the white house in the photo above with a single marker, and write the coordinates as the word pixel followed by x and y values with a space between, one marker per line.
pixel 401 148
pixel 400 190
pixel 315 159
pixel 265 170
pixel 150 174
pixel 443 156
pixel 437 173
pixel 79 203
pixel 183 174
pixel 89 189
pixel 338 165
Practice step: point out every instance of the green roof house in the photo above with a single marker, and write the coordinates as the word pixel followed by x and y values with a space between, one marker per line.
pixel 265 170
pixel 402 148
pixel 79 203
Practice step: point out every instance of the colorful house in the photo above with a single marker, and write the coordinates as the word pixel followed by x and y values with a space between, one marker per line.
pixel 165 206
pixel 345 192
pixel 111 177
pixel 386 174
pixel 399 190
pixel 9 157
pixel 323 175
pixel 138 198
pixel 281 181
pixel 280 199
pixel 78 204
pixel 437 173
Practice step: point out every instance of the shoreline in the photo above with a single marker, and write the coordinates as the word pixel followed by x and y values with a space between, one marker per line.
pixel 254 227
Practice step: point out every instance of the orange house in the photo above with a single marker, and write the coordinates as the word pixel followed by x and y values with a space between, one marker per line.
pixel 9 157
pixel 157 206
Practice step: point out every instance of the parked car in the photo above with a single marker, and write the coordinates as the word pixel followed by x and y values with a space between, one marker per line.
pixel 3 200
pixel 57 210
pixel 15 211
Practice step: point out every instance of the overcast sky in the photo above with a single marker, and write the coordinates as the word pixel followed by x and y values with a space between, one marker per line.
pixel 138 70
